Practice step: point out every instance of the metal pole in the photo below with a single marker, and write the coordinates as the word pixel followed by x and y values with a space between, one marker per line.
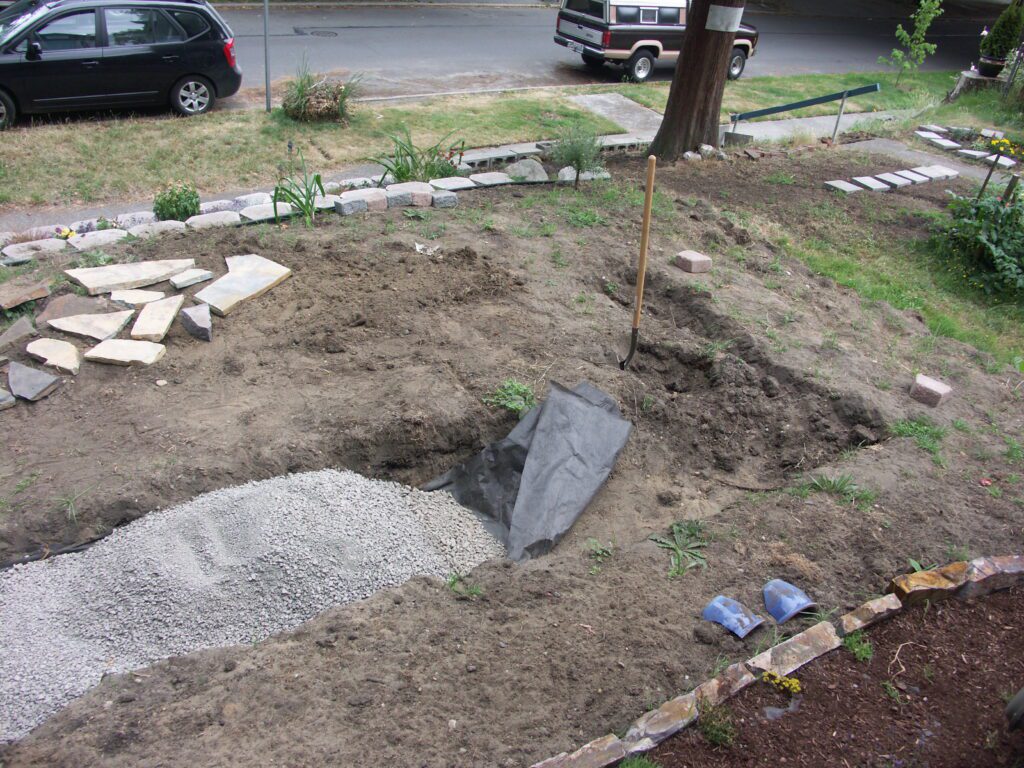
pixel 266 48
pixel 842 109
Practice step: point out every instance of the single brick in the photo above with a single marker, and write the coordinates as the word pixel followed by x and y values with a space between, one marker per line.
pixel 445 200
pixel 872 612
pixel 691 261
pixel 929 391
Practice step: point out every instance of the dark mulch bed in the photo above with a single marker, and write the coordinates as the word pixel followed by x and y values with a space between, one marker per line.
pixel 932 695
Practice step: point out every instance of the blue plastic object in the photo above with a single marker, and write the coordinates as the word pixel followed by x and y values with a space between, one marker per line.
pixel 734 616
pixel 784 601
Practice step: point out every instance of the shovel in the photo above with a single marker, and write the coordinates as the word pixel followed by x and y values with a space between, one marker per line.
pixel 641 267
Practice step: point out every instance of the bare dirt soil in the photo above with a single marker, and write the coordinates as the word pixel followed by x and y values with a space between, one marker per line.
pixel 375 358
pixel 933 694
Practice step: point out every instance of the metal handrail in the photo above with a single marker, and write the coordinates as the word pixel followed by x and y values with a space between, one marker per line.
pixel 736 117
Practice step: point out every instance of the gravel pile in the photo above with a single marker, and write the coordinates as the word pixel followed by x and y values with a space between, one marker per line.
pixel 228 567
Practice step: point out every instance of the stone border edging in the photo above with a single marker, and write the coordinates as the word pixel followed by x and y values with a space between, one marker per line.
pixel 963 580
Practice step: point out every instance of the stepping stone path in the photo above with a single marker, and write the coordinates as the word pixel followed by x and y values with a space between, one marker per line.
pixel 61 355
pixel 913 178
pixel 883 182
pixel 71 304
pixel 197 321
pixel 946 144
pixel 973 153
pixel 191 277
pixel 93 326
pixel 155 319
pixel 936 172
pixel 117 277
pixel 30 383
pixel 869 182
pixel 893 180
pixel 135 297
pixel 248 276
pixel 126 352
pixel 21 329
pixel 14 294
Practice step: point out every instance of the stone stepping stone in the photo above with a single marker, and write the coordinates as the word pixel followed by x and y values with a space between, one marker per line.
pixel 93 326
pixel 135 297
pixel 1004 162
pixel 7 400
pixel 20 330
pixel 120 277
pixel 146 231
pixel 936 172
pixel 34 248
pixel 155 319
pixel 30 383
pixel 928 134
pixel 490 179
pixel 945 144
pixel 452 183
pixel 71 304
pixel 211 220
pixel 990 133
pixel 126 352
pixel 248 276
pixel 14 294
pixel 136 219
pixel 870 182
pixel 975 153
pixel 843 186
pixel 934 128
pixel 61 355
pixel 197 321
pixel 91 240
pixel 894 180
pixel 191 277
pixel 912 177
pixel 266 212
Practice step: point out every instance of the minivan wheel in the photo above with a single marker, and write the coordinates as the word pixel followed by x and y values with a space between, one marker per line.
pixel 192 95
pixel 7 111
pixel 640 66
pixel 593 62
pixel 737 63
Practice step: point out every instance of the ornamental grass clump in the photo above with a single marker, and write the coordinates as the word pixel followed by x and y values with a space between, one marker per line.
pixel 317 98
pixel 177 202
pixel 408 162
pixel 578 148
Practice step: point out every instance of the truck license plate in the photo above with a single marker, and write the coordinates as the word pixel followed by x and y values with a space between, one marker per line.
pixel 575 47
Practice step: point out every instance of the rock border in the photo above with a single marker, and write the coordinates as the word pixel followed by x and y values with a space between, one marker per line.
pixel 963 580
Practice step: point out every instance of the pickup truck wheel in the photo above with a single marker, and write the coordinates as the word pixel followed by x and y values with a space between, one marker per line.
pixel 640 66
pixel 593 62
pixel 7 111
pixel 737 63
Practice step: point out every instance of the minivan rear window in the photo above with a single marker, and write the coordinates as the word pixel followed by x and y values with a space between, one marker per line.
pixel 593 8
pixel 193 24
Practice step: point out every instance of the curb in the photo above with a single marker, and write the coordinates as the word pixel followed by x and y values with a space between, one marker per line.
pixel 963 580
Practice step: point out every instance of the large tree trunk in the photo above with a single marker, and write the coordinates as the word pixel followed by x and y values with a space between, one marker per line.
pixel 695 100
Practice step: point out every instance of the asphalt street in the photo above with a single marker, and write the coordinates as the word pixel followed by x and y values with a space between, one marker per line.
pixel 427 49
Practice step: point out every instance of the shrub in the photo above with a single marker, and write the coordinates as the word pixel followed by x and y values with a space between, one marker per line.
pixel 987 236
pixel 577 147
pixel 915 49
pixel 407 162
pixel 315 98
pixel 176 203
pixel 1005 33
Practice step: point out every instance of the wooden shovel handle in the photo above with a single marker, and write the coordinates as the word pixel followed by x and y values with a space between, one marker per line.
pixel 645 235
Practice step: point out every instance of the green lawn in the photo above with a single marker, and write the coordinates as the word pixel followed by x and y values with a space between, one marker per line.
pixel 88 161
pixel 750 93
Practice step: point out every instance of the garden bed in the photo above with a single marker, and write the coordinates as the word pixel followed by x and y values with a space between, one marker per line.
pixel 750 380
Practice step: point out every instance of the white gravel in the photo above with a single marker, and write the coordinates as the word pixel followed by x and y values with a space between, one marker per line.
pixel 228 567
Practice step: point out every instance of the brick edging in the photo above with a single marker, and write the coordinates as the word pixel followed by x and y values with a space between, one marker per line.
pixel 963 580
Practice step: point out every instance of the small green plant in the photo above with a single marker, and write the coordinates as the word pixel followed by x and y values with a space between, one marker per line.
pixel 577 147
pixel 300 192
pixel 416 214
pixel 647 403
pixel 685 544
pixel 598 554
pixel 463 589
pixel 639 762
pixel 713 349
pixel 961 426
pixel 558 259
pixel 25 483
pixel 611 288
pixel 891 691
pixel 716 726
pixel 1014 450
pixel 914 48
pixel 842 486
pixel 986 237
pixel 103 223
pixel 859 645
pixel 95 258
pixel 177 202
pixel 69 504
pixel 781 177
pixel 514 396
pixel 317 98
pixel 408 162
pixel 958 552
pixel 918 566
pixel 927 435
pixel 585 217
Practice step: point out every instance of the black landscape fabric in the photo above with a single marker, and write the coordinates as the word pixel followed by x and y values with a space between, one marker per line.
pixel 531 487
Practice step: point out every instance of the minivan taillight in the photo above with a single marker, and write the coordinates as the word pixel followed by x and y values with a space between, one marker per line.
pixel 229 51
pixel 606 39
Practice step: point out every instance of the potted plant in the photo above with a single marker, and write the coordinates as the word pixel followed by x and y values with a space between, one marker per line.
pixel 1001 39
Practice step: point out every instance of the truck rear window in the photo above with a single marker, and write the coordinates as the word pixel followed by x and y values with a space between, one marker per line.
pixel 593 8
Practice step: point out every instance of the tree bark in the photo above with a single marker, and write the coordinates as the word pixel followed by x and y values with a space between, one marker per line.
pixel 695 99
